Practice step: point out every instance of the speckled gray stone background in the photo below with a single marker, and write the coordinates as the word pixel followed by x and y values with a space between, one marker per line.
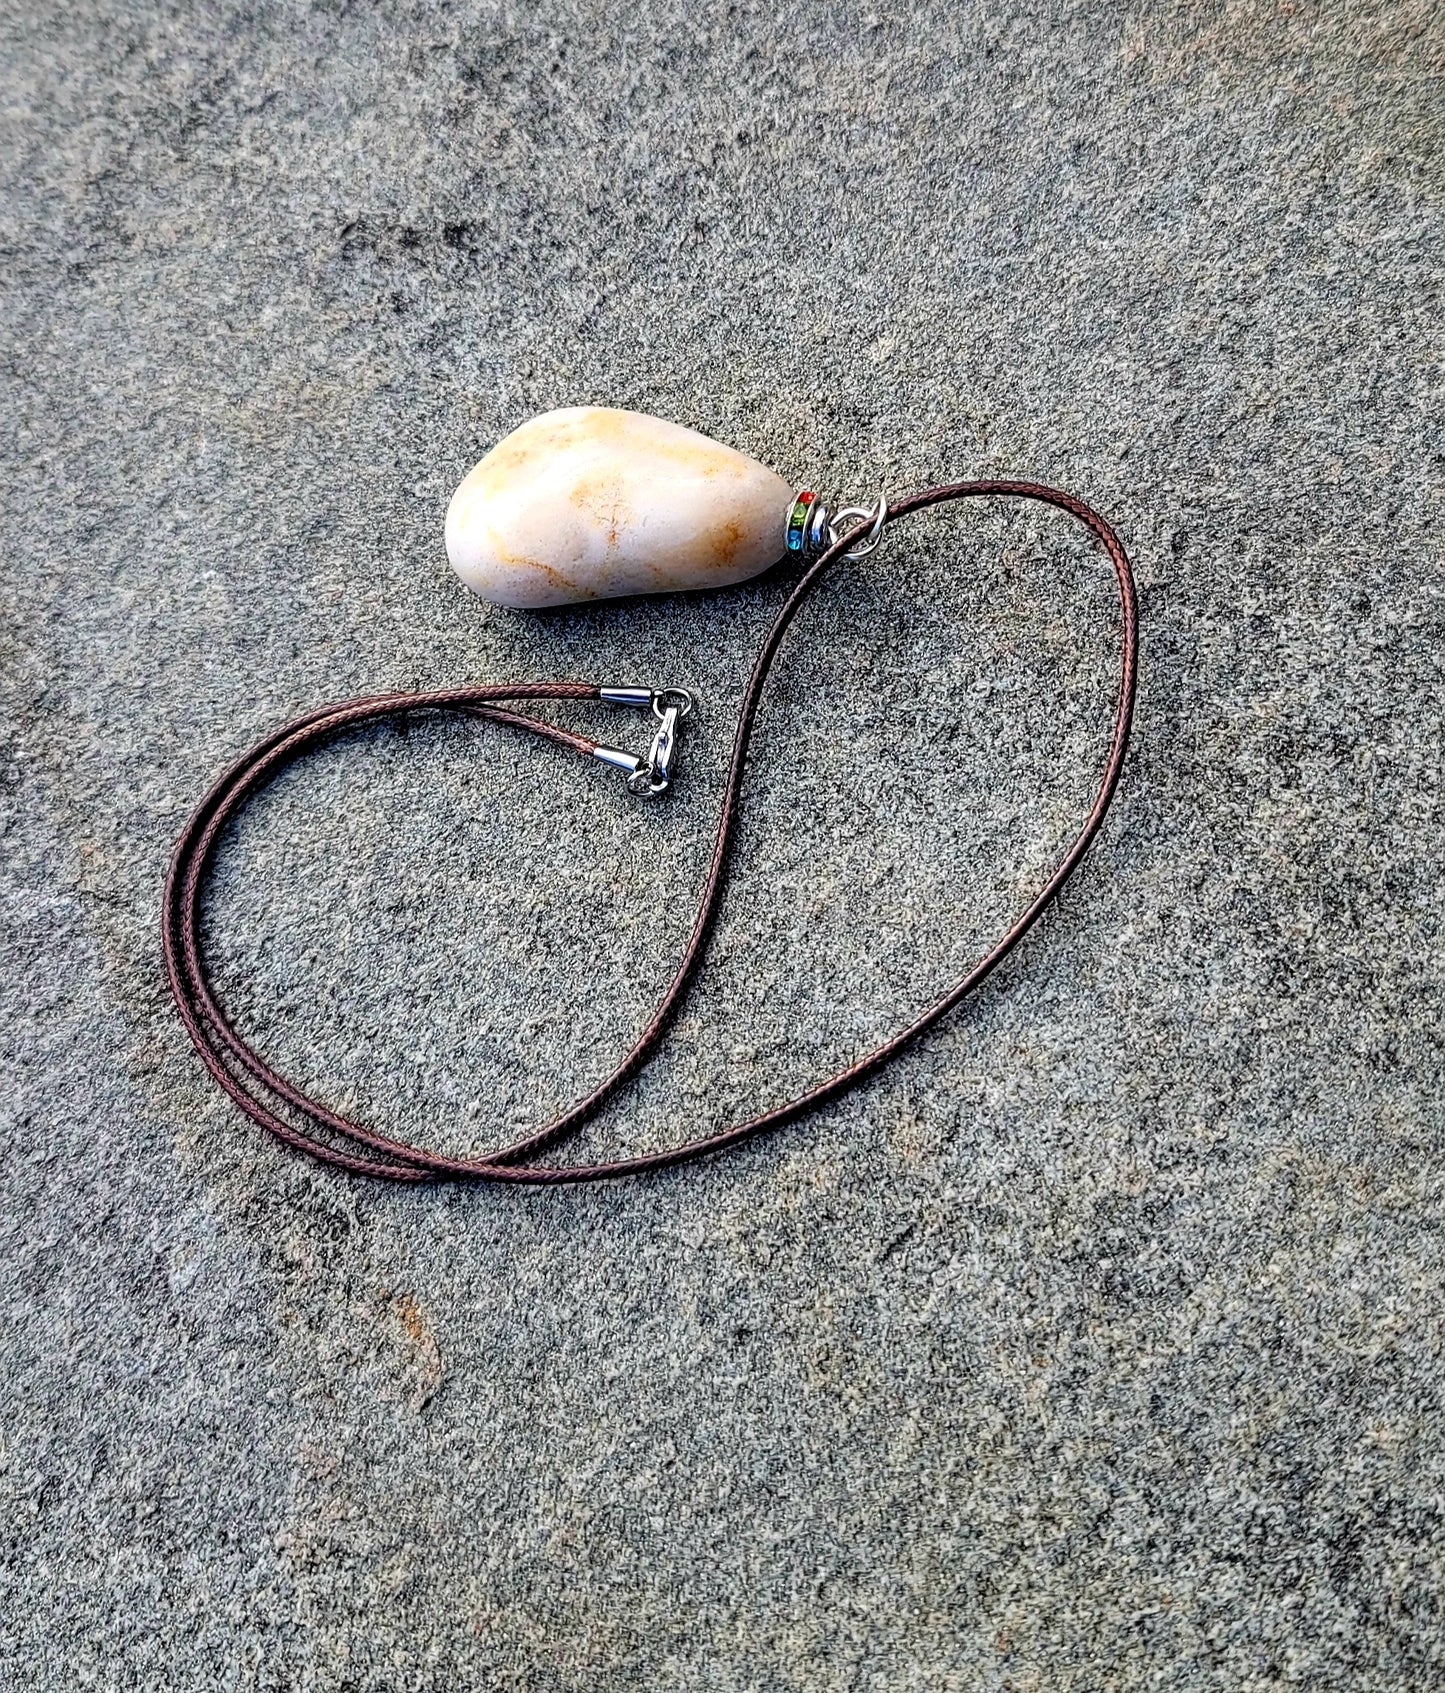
pixel 1095 1346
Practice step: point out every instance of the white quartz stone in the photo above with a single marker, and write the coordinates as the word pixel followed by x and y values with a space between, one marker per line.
pixel 588 503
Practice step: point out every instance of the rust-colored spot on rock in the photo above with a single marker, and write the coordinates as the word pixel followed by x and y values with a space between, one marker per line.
pixel 412 1319
pixel 421 1355
pixel 721 543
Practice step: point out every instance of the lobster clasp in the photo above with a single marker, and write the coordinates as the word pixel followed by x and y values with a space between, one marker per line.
pixel 657 772
pixel 651 776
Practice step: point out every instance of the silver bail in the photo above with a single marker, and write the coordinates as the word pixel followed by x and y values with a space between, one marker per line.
pixel 810 528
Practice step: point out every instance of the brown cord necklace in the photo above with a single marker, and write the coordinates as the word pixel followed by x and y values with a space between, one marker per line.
pixel 290 1114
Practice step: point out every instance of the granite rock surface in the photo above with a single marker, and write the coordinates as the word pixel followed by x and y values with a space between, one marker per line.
pixel 1094 1346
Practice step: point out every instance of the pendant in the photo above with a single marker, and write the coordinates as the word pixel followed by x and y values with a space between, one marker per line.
pixel 591 503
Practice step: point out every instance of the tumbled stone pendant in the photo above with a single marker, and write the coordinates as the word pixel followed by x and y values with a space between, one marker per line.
pixel 591 503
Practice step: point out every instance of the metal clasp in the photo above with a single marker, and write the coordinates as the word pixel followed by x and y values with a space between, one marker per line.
pixel 650 776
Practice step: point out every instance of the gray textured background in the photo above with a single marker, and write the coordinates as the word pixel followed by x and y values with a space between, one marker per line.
pixel 1095 1346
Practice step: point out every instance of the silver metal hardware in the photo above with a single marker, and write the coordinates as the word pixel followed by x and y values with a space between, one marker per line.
pixel 805 524
pixel 628 761
pixel 650 776
pixel 821 529
pixel 853 514
pixel 680 696
pixel 817 532
pixel 654 779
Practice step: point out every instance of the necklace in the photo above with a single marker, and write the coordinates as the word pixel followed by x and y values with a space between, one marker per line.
pixel 287 1112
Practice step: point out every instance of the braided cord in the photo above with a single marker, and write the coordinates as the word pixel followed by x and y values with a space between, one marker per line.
pixel 263 1093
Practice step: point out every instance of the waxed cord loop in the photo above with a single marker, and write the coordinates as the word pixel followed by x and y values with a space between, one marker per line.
pixel 314 1128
